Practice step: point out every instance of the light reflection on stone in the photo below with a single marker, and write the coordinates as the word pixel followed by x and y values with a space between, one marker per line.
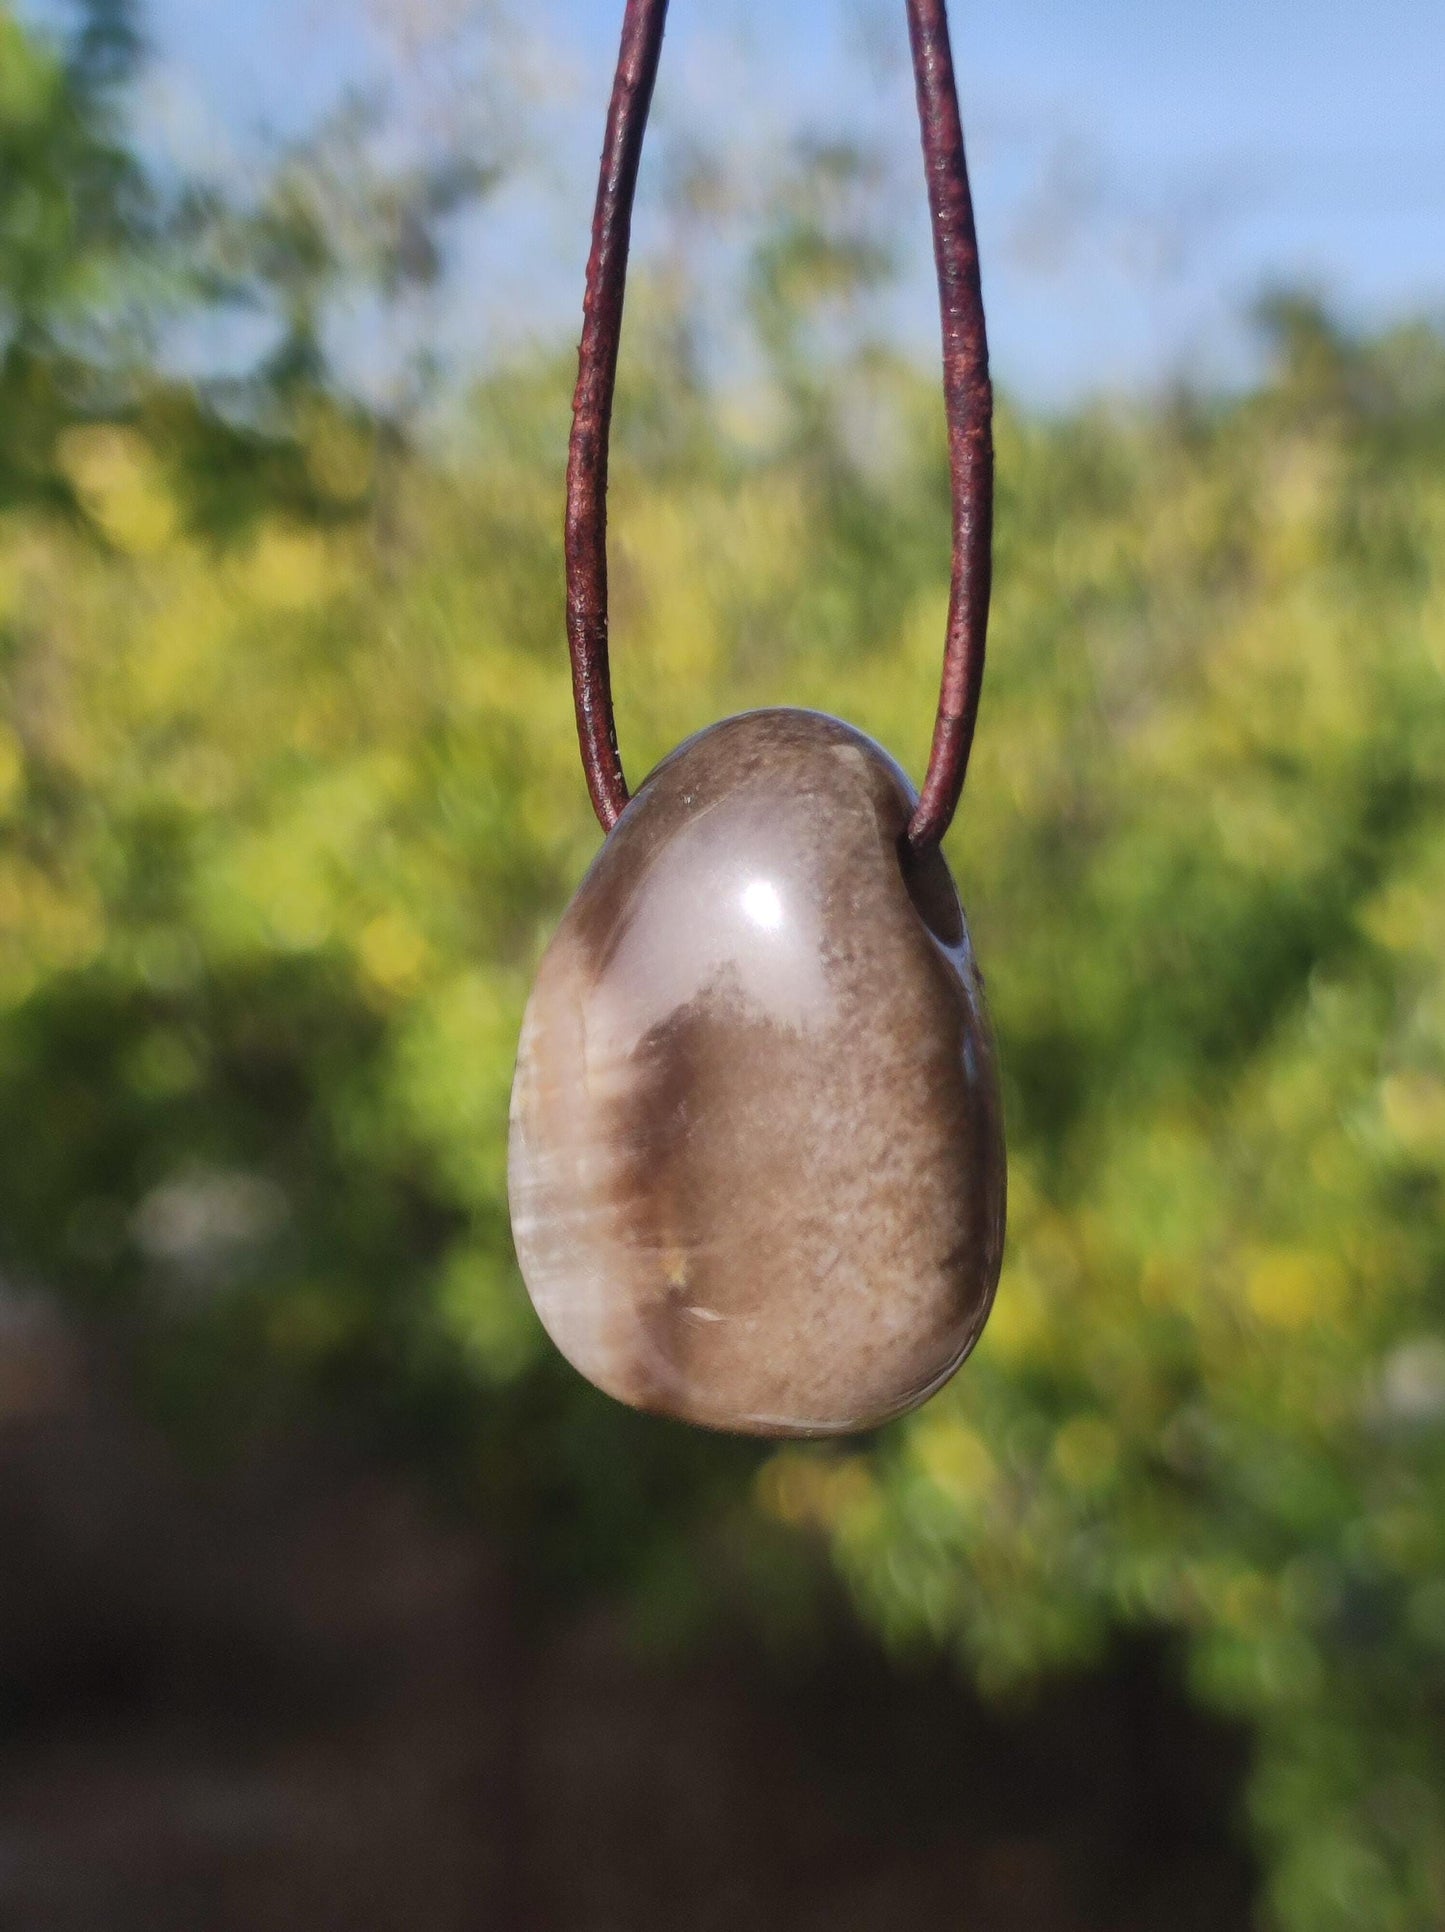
pixel 762 905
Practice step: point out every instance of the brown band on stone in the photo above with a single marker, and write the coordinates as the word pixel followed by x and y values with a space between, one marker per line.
pixel 968 400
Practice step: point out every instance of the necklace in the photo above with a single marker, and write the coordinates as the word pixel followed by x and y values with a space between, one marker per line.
pixel 756 1166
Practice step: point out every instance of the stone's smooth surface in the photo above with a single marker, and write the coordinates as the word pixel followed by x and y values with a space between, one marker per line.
pixel 757 1164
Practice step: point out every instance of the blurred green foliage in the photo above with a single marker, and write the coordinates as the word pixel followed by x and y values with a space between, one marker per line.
pixel 289 801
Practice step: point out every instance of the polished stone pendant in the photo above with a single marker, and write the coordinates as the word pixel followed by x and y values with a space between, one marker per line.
pixel 757 1166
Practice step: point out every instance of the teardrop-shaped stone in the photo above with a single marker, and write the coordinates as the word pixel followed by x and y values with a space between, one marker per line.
pixel 757 1165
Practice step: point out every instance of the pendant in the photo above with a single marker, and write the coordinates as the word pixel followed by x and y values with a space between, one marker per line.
pixel 756 1165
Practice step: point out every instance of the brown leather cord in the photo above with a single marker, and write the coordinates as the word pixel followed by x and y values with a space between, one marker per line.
pixel 586 543
pixel 968 401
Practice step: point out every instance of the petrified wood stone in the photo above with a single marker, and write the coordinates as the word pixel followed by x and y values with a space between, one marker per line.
pixel 757 1165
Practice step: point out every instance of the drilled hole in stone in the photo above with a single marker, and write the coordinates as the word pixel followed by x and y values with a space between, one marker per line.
pixel 931 888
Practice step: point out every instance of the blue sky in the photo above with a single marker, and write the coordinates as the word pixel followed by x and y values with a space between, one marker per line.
pixel 1141 171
